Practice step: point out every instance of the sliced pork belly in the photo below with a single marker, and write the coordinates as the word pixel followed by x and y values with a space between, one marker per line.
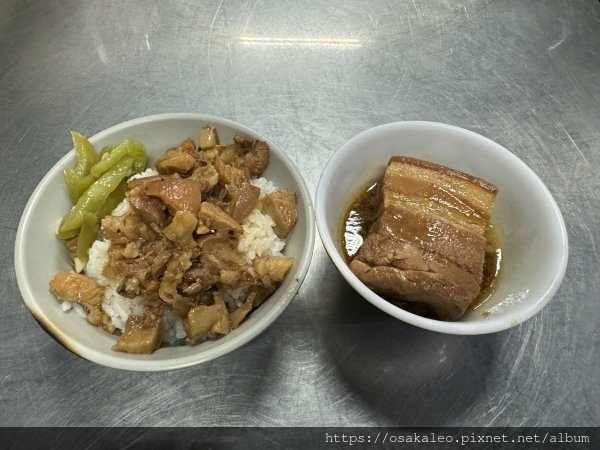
pixel 403 271
pixel 428 245
pixel 430 233
pixel 461 199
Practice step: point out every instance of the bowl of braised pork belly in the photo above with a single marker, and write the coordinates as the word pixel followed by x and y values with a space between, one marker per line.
pixel 164 242
pixel 441 227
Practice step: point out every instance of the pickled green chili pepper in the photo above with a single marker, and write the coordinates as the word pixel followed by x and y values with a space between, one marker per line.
pixel 93 198
pixel 96 185
pixel 139 158
pixel 77 184
pixel 79 178
pixel 106 149
pixel 113 200
pixel 85 153
pixel 87 235
pixel 134 149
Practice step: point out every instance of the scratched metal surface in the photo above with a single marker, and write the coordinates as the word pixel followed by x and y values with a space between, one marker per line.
pixel 310 75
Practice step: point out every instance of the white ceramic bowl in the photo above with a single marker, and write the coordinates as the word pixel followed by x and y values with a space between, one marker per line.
pixel 39 254
pixel 531 227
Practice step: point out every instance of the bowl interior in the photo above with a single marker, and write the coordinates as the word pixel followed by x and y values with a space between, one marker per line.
pixel 39 254
pixel 531 228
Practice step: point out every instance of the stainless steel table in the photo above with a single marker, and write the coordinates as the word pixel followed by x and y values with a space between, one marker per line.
pixel 310 75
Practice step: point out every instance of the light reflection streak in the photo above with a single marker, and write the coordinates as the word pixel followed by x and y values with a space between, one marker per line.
pixel 300 42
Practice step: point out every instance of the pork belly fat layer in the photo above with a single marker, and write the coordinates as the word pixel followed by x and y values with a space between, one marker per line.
pixel 464 200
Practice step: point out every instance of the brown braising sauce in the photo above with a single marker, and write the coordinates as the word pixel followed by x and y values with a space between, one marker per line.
pixel 491 267
pixel 358 219
pixel 364 210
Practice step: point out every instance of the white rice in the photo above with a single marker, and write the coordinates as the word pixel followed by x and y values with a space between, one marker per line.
pixel 122 208
pixel 114 305
pixel 234 298
pixel 97 259
pixel 259 239
pixel 266 187
pixel 66 306
pixel 119 308
pixel 78 309
pixel 146 173
pixel 173 327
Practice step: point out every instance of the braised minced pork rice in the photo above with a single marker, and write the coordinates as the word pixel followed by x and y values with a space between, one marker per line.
pixel 192 250
pixel 258 239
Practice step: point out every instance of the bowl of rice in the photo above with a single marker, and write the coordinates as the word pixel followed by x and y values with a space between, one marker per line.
pixel 40 255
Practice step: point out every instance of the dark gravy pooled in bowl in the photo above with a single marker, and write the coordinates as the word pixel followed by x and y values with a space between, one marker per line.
pixel 362 213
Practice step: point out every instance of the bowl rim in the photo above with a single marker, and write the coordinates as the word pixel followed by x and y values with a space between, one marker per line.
pixel 490 324
pixel 235 340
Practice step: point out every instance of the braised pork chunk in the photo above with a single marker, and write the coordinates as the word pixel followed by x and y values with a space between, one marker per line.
pixel 427 244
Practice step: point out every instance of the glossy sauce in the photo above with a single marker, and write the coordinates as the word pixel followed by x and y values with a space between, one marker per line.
pixel 362 213
pixel 491 267
pixel 359 217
